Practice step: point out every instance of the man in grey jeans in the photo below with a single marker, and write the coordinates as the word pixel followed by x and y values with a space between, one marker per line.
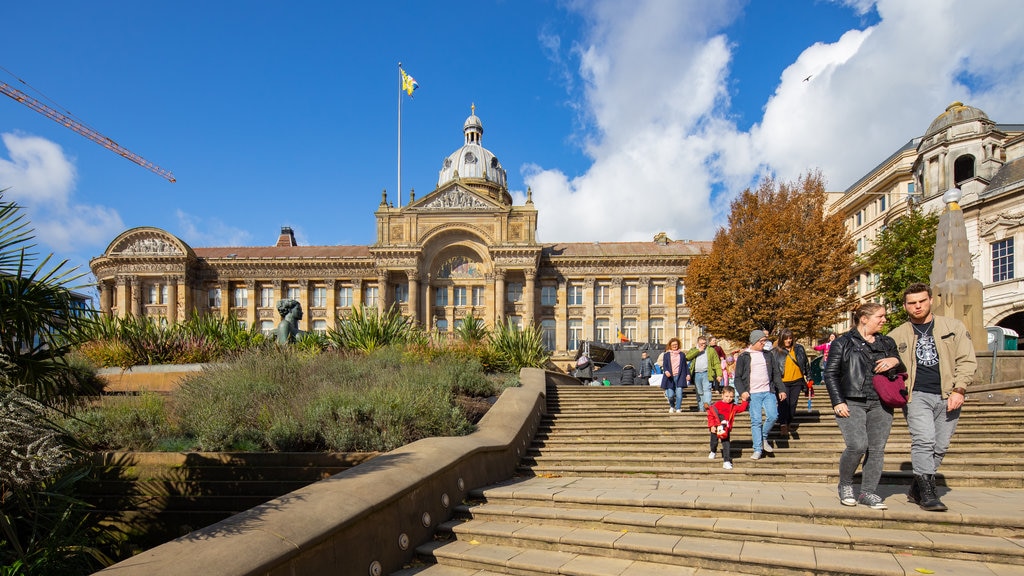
pixel 940 358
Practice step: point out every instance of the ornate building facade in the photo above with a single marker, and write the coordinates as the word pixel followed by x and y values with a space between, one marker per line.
pixel 463 249
pixel 962 148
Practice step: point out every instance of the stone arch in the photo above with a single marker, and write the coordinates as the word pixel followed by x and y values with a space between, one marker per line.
pixel 458 246
pixel 963 169
pixel 1012 320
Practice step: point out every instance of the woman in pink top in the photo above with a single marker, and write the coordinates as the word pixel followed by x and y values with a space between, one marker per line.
pixel 823 348
pixel 676 373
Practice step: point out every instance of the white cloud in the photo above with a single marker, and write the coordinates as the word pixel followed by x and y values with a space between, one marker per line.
pixel 199 231
pixel 656 76
pixel 42 181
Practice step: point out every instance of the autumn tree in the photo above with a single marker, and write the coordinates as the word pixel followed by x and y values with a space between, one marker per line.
pixel 902 255
pixel 780 262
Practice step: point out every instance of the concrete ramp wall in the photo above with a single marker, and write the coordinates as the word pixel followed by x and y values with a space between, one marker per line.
pixel 366 520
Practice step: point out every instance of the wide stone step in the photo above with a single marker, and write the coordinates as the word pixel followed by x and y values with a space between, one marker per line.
pixel 798 459
pixel 547 527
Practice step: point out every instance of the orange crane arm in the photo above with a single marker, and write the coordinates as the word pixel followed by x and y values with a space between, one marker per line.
pixel 19 96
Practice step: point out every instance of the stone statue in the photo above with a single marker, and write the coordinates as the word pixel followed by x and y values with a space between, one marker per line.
pixel 291 313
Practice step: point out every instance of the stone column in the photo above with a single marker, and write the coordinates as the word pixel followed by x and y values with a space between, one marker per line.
pixel 172 299
pixel 616 303
pixel 589 319
pixel 306 321
pixel 250 305
pixel 671 308
pixel 135 285
pixel 428 304
pixel 106 298
pixel 530 298
pixel 499 297
pixel 331 285
pixel 414 295
pixel 562 316
pixel 357 292
pixel 225 299
pixel 382 291
pixel 121 296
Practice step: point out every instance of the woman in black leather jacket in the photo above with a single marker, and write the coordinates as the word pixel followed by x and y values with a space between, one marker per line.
pixel 853 360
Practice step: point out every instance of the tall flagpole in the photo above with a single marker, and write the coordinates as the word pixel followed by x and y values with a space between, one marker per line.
pixel 399 192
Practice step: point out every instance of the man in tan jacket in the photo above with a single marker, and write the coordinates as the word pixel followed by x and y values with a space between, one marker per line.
pixel 939 355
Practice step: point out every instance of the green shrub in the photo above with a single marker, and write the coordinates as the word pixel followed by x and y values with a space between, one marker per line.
pixel 516 348
pixel 134 340
pixel 123 423
pixel 365 329
pixel 472 330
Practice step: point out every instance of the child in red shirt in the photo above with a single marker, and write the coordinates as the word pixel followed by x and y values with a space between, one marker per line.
pixel 720 418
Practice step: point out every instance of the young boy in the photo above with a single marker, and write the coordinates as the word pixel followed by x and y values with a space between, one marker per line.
pixel 720 418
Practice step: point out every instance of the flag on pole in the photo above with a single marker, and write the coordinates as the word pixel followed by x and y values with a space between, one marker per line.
pixel 409 83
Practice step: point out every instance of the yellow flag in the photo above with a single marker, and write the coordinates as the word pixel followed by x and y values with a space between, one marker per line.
pixel 409 83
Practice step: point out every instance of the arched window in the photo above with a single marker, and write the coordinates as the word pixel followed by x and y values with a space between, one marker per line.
pixel 963 169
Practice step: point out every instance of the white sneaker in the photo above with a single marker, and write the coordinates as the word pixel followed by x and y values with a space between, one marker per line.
pixel 711 456
pixel 756 456
pixel 671 410
pixel 767 447
pixel 727 465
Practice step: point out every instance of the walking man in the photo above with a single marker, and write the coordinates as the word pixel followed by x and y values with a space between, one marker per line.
pixel 705 368
pixel 758 381
pixel 940 358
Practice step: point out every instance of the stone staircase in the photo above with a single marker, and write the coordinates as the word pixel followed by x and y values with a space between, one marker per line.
pixel 614 484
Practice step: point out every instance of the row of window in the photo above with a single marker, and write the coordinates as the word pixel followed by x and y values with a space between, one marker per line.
pixel 240 297
pixel 459 295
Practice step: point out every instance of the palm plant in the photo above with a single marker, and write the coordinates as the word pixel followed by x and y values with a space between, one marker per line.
pixel 366 330
pixel 39 323
pixel 472 330
pixel 516 348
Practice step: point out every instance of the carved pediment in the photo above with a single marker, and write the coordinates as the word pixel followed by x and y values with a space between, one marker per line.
pixel 454 198
pixel 147 242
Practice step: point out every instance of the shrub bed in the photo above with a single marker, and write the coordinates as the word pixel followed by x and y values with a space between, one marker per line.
pixel 280 399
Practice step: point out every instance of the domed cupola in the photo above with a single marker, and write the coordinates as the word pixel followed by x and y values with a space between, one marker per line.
pixel 956 113
pixel 473 161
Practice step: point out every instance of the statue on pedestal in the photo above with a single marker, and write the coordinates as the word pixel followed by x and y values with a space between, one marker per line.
pixel 291 313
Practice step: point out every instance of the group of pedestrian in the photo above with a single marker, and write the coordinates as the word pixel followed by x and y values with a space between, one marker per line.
pixel 937 356
pixel 932 353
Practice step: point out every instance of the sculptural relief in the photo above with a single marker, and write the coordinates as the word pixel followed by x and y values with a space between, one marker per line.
pixel 455 199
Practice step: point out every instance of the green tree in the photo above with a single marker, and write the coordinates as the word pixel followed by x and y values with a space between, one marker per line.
pixel 43 528
pixel 780 262
pixel 903 255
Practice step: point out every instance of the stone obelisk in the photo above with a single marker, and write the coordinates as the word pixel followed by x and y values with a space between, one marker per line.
pixel 957 293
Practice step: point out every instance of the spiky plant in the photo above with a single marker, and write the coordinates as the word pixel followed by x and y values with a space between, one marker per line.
pixel 365 329
pixel 472 330
pixel 515 348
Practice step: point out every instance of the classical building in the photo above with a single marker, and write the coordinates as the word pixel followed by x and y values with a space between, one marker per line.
pixel 962 148
pixel 463 249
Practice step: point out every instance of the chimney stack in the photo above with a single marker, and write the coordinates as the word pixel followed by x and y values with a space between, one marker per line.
pixel 287 237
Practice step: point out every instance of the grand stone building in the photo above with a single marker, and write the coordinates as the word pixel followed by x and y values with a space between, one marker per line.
pixel 962 148
pixel 463 249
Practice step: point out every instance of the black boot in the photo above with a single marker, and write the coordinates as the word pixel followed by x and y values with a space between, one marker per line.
pixel 929 500
pixel 914 494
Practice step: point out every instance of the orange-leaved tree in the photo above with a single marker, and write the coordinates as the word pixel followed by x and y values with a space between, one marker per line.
pixel 781 262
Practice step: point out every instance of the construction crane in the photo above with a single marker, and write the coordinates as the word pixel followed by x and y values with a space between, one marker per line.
pixel 64 120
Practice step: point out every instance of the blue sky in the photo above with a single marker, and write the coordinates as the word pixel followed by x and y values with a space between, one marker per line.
pixel 626 118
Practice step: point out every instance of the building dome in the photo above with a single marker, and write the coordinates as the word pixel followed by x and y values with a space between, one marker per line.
pixel 956 113
pixel 472 160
